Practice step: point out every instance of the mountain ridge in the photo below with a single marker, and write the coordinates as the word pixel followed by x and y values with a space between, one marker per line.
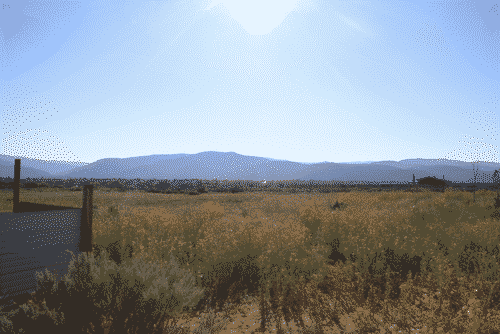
pixel 234 166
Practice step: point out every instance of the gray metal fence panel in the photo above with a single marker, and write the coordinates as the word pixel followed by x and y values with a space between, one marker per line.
pixel 30 242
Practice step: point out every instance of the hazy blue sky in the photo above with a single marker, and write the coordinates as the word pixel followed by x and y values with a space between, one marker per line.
pixel 305 81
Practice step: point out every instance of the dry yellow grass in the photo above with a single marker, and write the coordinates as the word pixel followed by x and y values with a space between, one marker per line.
pixel 294 229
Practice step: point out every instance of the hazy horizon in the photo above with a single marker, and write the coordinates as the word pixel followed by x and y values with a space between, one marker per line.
pixel 299 80
pixel 315 162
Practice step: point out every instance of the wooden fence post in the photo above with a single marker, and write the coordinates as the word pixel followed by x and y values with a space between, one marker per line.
pixel 17 184
pixel 86 221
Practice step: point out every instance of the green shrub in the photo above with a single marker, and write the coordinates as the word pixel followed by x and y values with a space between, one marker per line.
pixel 29 318
pixel 137 295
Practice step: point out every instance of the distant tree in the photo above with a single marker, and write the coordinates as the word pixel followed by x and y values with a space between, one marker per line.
pixel 496 176
pixel 432 181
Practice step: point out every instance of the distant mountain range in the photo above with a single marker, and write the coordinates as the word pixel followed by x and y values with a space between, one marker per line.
pixel 232 166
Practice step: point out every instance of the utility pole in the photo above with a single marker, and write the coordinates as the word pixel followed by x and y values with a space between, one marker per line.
pixel 475 177
pixel 474 183
pixel 477 149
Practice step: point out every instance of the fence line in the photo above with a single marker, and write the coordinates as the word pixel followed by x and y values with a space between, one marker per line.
pixel 36 236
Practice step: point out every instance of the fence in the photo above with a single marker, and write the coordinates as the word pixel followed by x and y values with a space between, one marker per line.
pixel 36 236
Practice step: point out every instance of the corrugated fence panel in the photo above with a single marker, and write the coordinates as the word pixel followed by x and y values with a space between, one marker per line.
pixel 32 241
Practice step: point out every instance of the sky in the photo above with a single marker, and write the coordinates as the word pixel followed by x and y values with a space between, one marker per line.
pixel 299 80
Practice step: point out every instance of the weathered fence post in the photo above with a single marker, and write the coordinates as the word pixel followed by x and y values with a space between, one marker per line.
pixel 86 221
pixel 17 185
pixel 16 278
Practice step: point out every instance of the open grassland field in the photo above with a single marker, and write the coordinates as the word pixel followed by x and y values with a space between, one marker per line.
pixel 340 262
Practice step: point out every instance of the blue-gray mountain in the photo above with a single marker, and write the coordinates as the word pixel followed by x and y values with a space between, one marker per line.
pixel 232 166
